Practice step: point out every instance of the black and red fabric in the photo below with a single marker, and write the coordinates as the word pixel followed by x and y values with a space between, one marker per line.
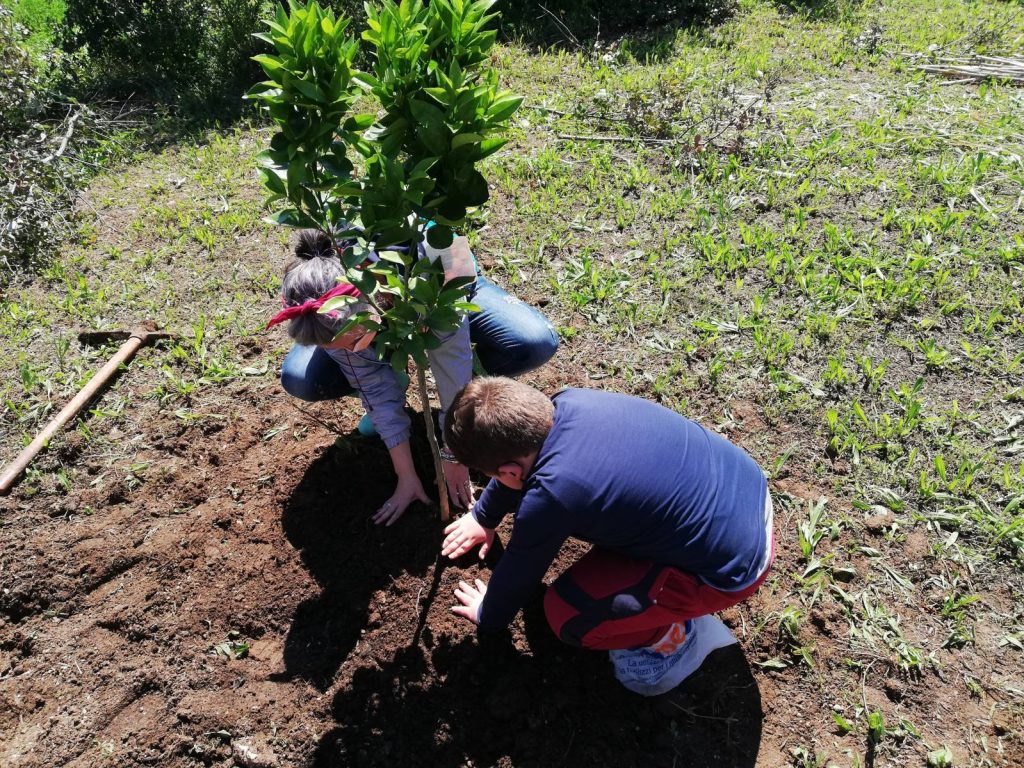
pixel 608 601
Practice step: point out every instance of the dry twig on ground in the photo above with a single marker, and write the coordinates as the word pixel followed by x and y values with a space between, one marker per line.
pixel 979 68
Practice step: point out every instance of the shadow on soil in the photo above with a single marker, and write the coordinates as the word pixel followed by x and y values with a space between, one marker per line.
pixel 522 699
pixel 327 519
pixel 479 701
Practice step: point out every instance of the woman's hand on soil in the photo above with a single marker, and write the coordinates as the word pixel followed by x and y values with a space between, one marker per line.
pixel 470 598
pixel 460 489
pixel 464 534
pixel 408 491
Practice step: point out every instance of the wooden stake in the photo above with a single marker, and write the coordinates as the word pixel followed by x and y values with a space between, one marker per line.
pixel 435 449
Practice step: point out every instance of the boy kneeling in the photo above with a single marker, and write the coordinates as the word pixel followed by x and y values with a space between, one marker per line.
pixel 680 520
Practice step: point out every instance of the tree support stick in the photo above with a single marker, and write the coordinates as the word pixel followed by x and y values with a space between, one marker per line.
pixel 435 449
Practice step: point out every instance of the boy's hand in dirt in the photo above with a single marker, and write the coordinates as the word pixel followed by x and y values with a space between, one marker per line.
pixel 409 490
pixel 464 534
pixel 470 598
pixel 460 489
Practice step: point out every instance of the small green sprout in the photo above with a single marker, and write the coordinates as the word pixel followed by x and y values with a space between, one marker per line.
pixel 940 758
pixel 233 647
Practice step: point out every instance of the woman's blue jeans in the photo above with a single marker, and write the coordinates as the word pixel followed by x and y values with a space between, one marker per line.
pixel 510 338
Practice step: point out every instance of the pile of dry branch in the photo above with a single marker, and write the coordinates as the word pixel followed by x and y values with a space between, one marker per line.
pixel 979 68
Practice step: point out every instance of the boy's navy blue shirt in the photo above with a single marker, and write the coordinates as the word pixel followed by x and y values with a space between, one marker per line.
pixel 635 478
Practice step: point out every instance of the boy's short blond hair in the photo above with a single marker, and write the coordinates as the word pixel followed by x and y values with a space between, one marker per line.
pixel 495 420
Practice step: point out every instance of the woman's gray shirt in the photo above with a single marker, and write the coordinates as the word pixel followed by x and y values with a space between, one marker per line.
pixel 382 395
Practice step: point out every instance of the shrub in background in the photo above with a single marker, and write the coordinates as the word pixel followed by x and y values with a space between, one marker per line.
pixel 42 18
pixel 192 53
pixel 36 182
pixel 28 67
pixel 583 21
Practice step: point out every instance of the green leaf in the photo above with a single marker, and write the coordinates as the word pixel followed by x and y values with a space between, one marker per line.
pixel 338 302
pixel 940 758
pixel 270 64
pixel 466 138
pixel 444 319
pixel 392 137
pixel 399 361
pixel 361 279
pixel 340 170
pixel 842 723
pixel 394 257
pixel 431 128
pixel 291 217
pixel 459 283
pixel 359 122
pixel 489 146
pixel 423 290
pixel 267 92
pixel 354 255
pixel 272 181
pixel 503 108
pixel 420 169
pixel 393 236
pixel 452 210
pixel 427 268
pixel 474 190
pixel 351 323
pixel 310 90
pixel 296 176
pixel 365 80
pixel 441 94
pixel 773 664
pixel 876 727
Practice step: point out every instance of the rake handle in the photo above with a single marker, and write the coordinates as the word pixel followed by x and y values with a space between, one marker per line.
pixel 13 470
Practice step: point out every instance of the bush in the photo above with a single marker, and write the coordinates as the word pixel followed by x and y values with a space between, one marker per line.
pixel 34 183
pixel 193 53
pixel 25 76
pixel 580 21
pixel 41 18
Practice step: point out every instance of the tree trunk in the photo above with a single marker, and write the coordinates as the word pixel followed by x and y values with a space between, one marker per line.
pixel 435 450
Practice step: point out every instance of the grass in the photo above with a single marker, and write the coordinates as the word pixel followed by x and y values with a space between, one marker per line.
pixel 40 18
pixel 139 264
pixel 779 211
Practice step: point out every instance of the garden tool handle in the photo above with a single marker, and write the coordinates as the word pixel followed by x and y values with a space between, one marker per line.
pixel 13 470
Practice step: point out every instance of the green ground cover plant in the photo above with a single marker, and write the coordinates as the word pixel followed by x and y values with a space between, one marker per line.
pixel 40 17
pixel 776 225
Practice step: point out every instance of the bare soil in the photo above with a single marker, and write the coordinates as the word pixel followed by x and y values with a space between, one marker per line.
pixel 115 598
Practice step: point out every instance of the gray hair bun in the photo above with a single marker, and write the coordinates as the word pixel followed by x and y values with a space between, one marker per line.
pixel 313 244
pixel 315 270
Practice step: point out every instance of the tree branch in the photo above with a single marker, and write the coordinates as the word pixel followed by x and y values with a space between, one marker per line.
pixel 67 137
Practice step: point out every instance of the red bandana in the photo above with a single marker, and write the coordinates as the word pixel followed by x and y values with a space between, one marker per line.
pixel 313 305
